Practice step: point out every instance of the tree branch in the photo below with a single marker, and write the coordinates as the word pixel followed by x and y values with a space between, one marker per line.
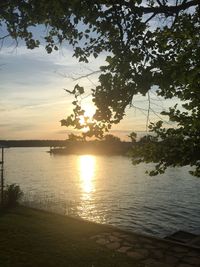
pixel 150 18
pixel 159 3
pixel 148 111
pixel 4 37
pixel 163 9
pixel 86 75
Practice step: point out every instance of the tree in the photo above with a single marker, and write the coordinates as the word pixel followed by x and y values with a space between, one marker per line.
pixel 151 45
pixel 110 138
pixel 132 136
pixel 74 137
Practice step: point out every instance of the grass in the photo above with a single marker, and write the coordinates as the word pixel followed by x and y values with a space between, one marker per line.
pixel 30 237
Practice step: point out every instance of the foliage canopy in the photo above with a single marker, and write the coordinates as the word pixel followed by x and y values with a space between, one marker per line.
pixel 151 45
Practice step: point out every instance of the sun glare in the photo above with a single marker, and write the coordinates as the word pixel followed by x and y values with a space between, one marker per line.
pixel 87 171
pixel 89 112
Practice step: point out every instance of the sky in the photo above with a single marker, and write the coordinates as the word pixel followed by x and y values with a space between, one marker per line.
pixel 33 99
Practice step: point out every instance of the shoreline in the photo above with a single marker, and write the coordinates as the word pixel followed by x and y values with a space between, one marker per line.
pixel 50 235
pixel 114 228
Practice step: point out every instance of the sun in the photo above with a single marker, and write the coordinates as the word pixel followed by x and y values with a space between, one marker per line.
pixel 89 112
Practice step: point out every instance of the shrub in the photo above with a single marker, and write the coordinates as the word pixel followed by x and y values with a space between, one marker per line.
pixel 12 195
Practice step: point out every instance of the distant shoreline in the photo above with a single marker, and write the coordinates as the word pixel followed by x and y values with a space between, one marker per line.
pixel 74 147
pixel 33 143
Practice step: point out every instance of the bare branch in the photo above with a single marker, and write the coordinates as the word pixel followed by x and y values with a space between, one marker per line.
pixel 4 37
pixel 152 16
pixel 86 75
pixel 91 81
pixel 148 111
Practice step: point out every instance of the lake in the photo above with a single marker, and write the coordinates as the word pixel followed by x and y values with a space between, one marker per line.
pixel 107 189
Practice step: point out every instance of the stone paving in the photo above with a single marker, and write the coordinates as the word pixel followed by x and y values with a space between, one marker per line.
pixel 149 251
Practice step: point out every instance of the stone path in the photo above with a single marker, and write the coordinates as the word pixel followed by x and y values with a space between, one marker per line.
pixel 149 251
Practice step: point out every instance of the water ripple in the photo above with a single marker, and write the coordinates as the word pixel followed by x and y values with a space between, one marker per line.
pixel 115 192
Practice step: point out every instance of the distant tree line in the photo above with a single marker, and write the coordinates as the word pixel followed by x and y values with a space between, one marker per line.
pixel 109 145
pixel 54 143
pixel 33 143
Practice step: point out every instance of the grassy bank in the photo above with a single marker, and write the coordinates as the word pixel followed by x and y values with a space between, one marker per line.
pixel 30 237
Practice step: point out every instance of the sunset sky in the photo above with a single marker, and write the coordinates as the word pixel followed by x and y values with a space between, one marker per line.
pixel 33 101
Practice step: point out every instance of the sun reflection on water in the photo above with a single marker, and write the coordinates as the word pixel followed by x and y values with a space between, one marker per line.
pixel 88 205
pixel 87 171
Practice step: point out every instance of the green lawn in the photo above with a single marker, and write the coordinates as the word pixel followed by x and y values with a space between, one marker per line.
pixel 29 237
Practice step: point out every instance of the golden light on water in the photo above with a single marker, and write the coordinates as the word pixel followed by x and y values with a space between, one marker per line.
pixel 88 207
pixel 87 171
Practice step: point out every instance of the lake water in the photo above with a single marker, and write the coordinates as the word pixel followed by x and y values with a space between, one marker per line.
pixel 107 190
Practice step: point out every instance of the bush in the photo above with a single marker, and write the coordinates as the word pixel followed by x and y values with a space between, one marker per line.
pixel 12 195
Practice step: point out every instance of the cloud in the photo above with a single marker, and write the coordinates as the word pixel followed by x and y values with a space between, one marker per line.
pixel 3 125
pixel 23 127
pixel 31 90
pixel 17 126
pixel 66 132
